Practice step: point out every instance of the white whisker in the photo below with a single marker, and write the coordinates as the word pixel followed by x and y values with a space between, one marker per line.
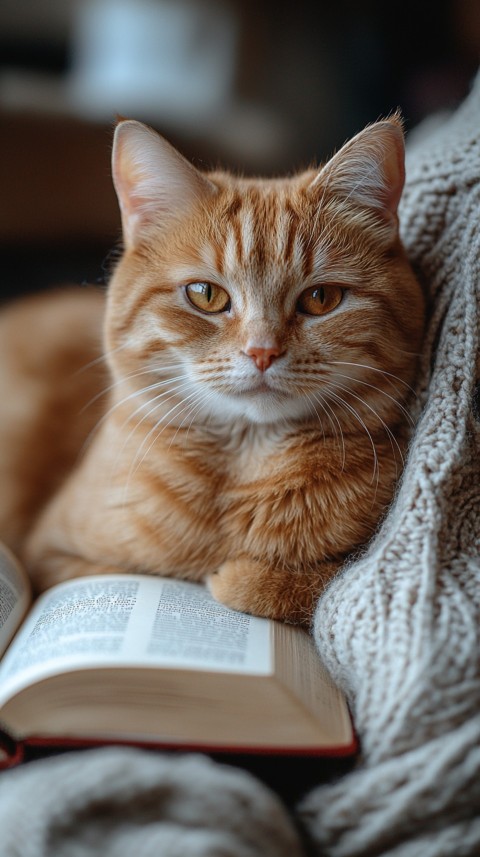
pixel 331 414
pixel 169 394
pixel 180 386
pixel 313 408
pixel 137 461
pixel 374 369
pixel 172 410
pixel 356 415
pixel 155 386
pixel 378 390
pixel 135 394
pixel 204 397
pixel 112 386
pixel 388 431
pixel 100 359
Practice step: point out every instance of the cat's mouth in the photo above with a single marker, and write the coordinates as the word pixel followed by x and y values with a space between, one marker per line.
pixel 260 388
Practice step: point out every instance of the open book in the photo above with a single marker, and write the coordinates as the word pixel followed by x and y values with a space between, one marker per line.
pixel 150 660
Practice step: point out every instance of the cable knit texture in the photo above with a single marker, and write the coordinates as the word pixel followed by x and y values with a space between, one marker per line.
pixel 399 629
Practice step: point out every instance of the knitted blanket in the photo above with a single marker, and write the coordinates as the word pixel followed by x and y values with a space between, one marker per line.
pixel 399 628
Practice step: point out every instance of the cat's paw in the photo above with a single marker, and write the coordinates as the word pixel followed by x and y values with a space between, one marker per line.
pixel 252 587
pixel 235 584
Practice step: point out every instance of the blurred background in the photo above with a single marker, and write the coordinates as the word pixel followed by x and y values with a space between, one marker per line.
pixel 259 87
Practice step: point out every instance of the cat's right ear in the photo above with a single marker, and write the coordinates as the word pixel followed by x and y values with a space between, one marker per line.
pixel 154 182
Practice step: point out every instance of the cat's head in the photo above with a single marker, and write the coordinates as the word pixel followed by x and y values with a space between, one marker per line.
pixel 262 299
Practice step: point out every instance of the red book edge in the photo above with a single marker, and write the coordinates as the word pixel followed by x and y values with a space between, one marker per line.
pixel 13 751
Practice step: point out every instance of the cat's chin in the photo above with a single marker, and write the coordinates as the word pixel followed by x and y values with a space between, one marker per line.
pixel 262 407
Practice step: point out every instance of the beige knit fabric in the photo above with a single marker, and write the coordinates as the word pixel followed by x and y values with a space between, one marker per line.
pixel 399 628
pixel 118 802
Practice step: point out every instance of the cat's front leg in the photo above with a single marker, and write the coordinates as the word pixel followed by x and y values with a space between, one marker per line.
pixel 252 586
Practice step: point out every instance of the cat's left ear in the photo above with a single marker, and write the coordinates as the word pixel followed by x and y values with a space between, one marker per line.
pixel 369 170
pixel 154 182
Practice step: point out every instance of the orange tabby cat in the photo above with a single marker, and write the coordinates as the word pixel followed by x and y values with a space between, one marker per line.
pixel 261 338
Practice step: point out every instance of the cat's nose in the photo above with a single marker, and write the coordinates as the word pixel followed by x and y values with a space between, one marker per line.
pixel 263 357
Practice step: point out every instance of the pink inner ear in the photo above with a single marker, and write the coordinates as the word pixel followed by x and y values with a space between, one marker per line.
pixel 131 147
pixel 133 206
pixel 152 179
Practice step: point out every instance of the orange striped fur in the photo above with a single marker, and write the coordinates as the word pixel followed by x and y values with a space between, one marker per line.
pixel 256 446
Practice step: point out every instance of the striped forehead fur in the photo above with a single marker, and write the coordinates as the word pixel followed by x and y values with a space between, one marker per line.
pixel 262 224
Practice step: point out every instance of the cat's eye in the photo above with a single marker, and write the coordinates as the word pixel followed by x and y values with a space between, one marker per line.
pixel 208 297
pixel 318 300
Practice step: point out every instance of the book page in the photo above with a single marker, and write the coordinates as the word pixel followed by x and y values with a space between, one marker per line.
pixel 15 596
pixel 133 620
